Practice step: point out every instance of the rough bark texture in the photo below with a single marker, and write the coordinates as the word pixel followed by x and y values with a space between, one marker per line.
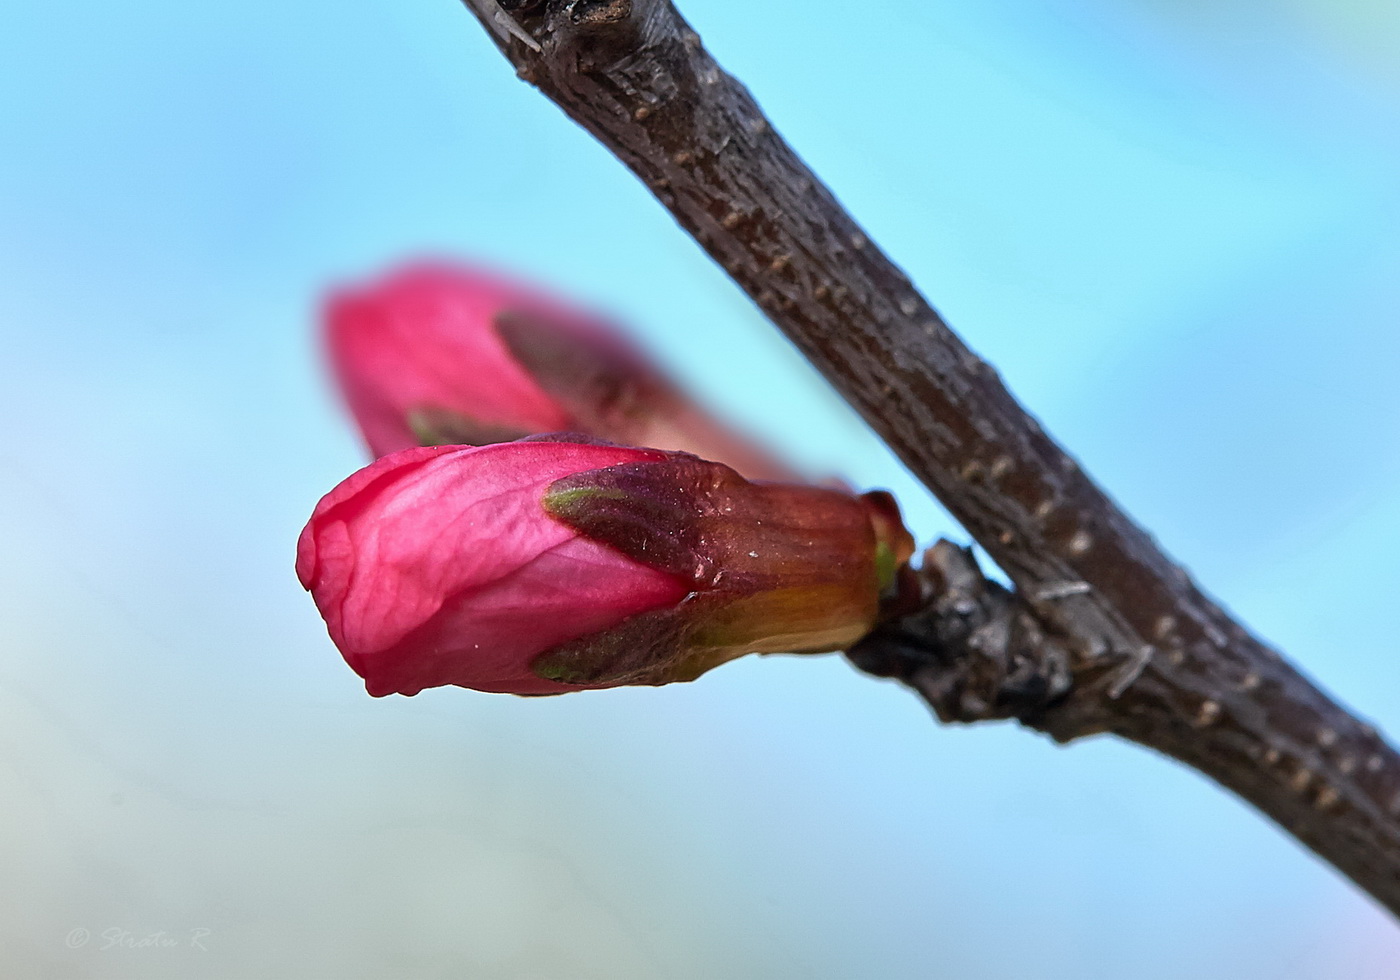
pixel 1103 633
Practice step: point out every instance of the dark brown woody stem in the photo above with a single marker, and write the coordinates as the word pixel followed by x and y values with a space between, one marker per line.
pixel 1104 632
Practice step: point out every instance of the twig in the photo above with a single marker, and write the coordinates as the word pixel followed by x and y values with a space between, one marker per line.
pixel 1105 633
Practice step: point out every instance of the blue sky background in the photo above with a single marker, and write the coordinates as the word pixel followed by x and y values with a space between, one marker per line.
pixel 1174 227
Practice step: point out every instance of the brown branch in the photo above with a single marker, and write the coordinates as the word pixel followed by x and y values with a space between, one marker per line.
pixel 1105 633
pixel 975 652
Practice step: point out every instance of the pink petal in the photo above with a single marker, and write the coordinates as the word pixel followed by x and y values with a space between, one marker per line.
pixel 424 337
pixel 438 565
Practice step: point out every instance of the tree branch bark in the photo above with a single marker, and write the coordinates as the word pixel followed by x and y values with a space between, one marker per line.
pixel 1104 633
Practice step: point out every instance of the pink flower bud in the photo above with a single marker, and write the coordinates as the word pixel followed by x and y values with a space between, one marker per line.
pixel 438 566
pixel 435 355
pixel 539 567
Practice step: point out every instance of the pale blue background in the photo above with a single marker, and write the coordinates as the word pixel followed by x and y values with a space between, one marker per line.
pixel 1175 228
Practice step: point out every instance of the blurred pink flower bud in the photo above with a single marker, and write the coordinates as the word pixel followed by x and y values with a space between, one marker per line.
pixel 539 567
pixel 439 354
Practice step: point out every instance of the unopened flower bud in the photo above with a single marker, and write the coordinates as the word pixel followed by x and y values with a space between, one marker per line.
pixel 539 567
pixel 439 355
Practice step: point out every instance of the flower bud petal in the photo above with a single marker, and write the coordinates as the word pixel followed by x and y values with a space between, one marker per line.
pixel 542 566
pixel 438 566
pixel 437 355
pixel 417 357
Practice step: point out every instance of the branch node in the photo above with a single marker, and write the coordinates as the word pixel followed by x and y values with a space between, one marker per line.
pixel 970 648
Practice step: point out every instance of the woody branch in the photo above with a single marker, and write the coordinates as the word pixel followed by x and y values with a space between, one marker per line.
pixel 1103 632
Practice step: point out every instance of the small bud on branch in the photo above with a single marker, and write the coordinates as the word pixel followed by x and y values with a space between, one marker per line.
pixel 540 567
